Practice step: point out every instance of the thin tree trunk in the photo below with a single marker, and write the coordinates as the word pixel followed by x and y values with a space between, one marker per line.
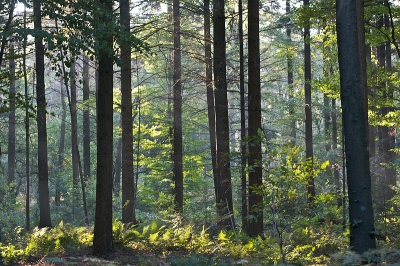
pixel 86 118
pixel 27 133
pixel 44 198
pixel 243 174
pixel 308 112
pixel 74 124
pixel 177 88
pixel 290 79
pixel 11 122
pixel 336 175
pixel 210 89
pixel 117 173
pixel 74 133
pixel 138 137
pixel 62 142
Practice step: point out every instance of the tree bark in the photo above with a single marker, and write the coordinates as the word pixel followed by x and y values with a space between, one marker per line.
pixel 209 88
pixel 86 118
pixel 74 124
pixel 349 16
pixel 44 199
pixel 255 155
pixel 126 119
pixel 308 107
pixel 117 171
pixel 223 182
pixel 177 88
pixel 243 131
pixel 61 144
pixel 290 79
pixel 11 122
pixel 27 133
pixel 336 174
pixel 103 240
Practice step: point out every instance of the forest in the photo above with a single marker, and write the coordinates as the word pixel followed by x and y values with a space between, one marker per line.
pixel 198 132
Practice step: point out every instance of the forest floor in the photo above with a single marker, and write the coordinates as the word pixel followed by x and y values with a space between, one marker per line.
pixel 128 257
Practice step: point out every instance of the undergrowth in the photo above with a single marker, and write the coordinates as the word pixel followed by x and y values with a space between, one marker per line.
pixel 188 245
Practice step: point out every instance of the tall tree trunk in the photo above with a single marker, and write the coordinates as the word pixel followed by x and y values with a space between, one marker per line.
pixel 336 174
pixel 11 122
pixel 349 24
pixel 74 124
pixel 177 87
pixel 243 174
pixel 290 79
pixel 209 88
pixel 44 198
pixel 61 145
pixel 126 119
pixel 255 155
pixel 223 185
pixel 307 107
pixel 86 117
pixel 138 140
pixel 117 169
pixel 103 240
pixel 27 133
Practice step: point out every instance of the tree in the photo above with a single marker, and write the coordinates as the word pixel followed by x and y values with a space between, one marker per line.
pixel 177 92
pixel 11 122
pixel 61 145
pixel 44 198
pixel 209 88
pixel 349 24
pixel 255 155
pixel 103 240
pixel 126 120
pixel 74 123
pixel 27 131
pixel 222 182
pixel 117 167
pixel 86 117
pixel 289 59
pixel 307 107
pixel 243 133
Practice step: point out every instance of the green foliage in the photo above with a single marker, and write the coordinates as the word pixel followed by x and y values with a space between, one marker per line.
pixel 60 239
pixel 47 241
